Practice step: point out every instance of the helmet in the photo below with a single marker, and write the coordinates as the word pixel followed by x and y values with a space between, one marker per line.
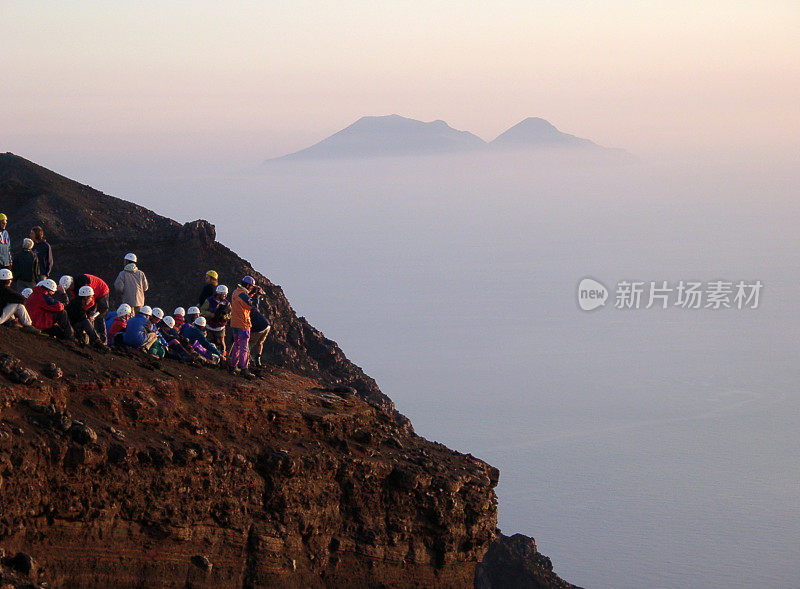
pixel 5 274
pixel 26 292
pixel 65 282
pixel 222 289
pixel 49 284
pixel 146 310
pixel 179 311
pixel 86 291
pixel 131 258
pixel 193 311
pixel 158 313
pixel 27 243
pixel 200 322
pixel 249 280
pixel 169 321
pixel 123 309
pixel 212 274
pixel 3 217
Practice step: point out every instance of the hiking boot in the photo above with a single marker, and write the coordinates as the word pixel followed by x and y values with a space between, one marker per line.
pixel 30 329
pixel 100 347
pixel 247 374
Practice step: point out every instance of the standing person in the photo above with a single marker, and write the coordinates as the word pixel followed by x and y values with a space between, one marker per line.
pixel 80 310
pixel 5 243
pixel 26 266
pixel 244 298
pixel 47 314
pixel 43 251
pixel 210 287
pixel 12 304
pixel 131 284
pixel 217 311
pixel 258 334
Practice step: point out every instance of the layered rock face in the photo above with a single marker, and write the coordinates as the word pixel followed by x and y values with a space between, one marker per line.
pixel 129 474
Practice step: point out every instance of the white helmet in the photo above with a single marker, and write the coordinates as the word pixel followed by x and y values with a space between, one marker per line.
pixel 193 311
pixel 131 258
pixel 222 289
pixel 65 282
pixel 26 292
pixel 179 311
pixel 123 309
pixel 169 322
pixel 86 291
pixel 146 311
pixel 5 274
pixel 158 313
pixel 200 322
pixel 48 284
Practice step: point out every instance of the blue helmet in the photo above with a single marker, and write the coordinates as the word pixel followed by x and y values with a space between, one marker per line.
pixel 249 280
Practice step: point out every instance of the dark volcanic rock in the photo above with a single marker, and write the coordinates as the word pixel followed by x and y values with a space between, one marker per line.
pixel 513 562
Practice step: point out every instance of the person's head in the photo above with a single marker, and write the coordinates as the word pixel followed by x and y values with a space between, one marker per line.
pixel 212 277
pixel 157 315
pixel 6 276
pixel 65 283
pixel 179 312
pixel 169 322
pixel 27 243
pixel 130 259
pixel 222 291
pixel 37 234
pixel 124 311
pixel 200 323
pixel 49 285
pixel 192 313
pixel 3 221
pixel 85 292
pixel 248 283
pixel 26 292
pixel 146 311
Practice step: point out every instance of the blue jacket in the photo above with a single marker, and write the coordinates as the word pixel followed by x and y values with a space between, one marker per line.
pixel 110 316
pixel 193 334
pixel 137 330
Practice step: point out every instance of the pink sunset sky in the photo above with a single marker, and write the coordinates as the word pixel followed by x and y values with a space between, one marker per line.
pixel 259 79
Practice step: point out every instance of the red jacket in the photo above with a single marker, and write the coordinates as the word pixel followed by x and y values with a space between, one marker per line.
pixel 119 324
pixel 98 285
pixel 41 306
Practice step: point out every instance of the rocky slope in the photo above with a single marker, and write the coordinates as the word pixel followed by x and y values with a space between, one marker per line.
pixel 120 471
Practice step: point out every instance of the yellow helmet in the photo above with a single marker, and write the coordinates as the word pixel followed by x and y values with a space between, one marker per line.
pixel 213 274
pixel 3 217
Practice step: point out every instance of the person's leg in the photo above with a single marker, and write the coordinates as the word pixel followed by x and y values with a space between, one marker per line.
pixel 7 313
pixel 100 320
pixel 62 321
pixel 86 327
pixel 245 354
pixel 233 357
pixel 22 314
pixel 257 345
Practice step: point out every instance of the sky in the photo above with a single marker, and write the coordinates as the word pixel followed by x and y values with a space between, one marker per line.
pixel 202 80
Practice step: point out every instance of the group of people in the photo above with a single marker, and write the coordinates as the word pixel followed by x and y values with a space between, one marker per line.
pixel 77 309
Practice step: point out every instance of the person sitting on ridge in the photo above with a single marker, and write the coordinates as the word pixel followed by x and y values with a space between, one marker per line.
pixel 178 315
pixel 131 284
pixel 12 304
pixel 217 311
pixel 192 313
pixel 139 330
pixel 101 300
pixel 117 322
pixel 178 347
pixel 26 266
pixel 81 312
pixel 210 287
pixel 197 338
pixel 47 314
